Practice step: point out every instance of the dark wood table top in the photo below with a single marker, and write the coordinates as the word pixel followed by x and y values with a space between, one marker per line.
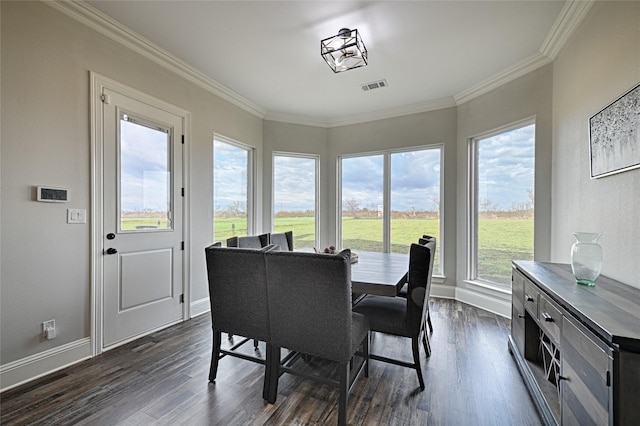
pixel 379 273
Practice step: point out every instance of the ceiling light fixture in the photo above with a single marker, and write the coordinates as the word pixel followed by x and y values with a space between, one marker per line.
pixel 344 51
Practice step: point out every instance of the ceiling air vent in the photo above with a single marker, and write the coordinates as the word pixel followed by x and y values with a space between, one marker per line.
pixel 374 85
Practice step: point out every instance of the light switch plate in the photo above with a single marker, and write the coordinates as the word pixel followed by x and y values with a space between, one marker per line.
pixel 76 216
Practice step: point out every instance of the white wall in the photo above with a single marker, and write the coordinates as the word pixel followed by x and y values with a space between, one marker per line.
pixel 600 62
pixel 46 59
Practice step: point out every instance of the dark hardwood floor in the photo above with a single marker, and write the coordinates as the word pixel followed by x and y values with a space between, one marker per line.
pixel 162 379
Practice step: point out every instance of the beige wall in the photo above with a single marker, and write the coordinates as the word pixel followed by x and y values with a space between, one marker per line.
pixel 600 62
pixel 46 60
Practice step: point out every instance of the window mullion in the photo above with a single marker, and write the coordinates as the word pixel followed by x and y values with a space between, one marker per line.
pixel 386 205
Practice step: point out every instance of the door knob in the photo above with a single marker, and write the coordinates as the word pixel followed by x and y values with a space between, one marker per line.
pixel 111 250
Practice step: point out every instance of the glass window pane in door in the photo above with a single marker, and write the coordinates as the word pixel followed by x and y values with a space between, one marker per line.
pixel 362 203
pixel 505 202
pixel 145 176
pixel 294 198
pixel 230 190
pixel 415 199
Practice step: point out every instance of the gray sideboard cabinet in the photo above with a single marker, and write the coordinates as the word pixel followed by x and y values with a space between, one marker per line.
pixel 577 348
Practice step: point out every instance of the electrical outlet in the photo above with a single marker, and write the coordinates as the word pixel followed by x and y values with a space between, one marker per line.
pixel 49 329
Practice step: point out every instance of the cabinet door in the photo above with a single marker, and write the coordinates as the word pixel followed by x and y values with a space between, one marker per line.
pixel 517 309
pixel 586 385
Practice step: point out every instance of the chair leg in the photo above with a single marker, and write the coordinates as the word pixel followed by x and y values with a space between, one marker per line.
pixel 426 343
pixel 255 344
pixel 429 321
pixel 344 394
pixel 272 374
pixel 366 354
pixel 415 344
pixel 215 355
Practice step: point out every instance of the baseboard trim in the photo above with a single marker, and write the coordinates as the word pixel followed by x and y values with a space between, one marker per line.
pixel 442 291
pixel 498 306
pixel 35 366
pixel 200 307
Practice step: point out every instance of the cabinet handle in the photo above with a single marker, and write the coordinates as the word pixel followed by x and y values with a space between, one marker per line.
pixel 520 316
pixel 547 317
pixel 528 298
pixel 562 378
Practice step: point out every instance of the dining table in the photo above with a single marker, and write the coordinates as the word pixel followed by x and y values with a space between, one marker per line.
pixel 377 273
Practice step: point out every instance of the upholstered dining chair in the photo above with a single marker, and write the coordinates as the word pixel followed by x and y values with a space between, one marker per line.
pixel 238 298
pixel 284 240
pixel 310 312
pixel 248 241
pixel 405 316
pixel 403 291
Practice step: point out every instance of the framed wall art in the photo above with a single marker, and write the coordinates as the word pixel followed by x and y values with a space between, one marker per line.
pixel 614 136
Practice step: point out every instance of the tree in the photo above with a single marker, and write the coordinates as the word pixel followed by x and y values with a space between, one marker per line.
pixel 486 205
pixel 352 205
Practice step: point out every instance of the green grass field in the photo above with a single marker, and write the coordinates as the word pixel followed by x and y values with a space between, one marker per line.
pixel 500 240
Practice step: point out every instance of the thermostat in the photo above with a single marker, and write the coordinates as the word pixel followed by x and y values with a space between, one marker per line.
pixel 53 195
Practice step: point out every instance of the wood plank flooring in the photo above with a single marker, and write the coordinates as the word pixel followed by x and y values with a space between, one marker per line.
pixel 161 379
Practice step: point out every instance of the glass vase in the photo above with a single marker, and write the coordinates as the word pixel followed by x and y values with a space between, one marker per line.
pixel 586 258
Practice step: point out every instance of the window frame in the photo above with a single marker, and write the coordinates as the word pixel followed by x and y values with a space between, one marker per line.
pixel 251 181
pixel 386 196
pixel 472 209
pixel 316 159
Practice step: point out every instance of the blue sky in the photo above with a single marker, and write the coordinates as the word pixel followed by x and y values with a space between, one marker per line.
pixel 144 163
pixel 506 167
pixel 505 164
pixel 230 175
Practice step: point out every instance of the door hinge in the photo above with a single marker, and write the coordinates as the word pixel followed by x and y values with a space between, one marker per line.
pixel 105 99
pixel 182 139
pixel 182 192
pixel 182 298
pixel 182 245
pixel 608 378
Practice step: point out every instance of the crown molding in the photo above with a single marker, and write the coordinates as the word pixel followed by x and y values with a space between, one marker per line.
pixel 296 119
pixel 105 25
pixel 363 118
pixel 568 20
pixel 515 71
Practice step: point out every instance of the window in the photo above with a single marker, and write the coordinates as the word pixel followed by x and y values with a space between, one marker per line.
pixel 362 203
pixel 389 200
pixel 145 178
pixel 502 203
pixel 295 197
pixel 232 189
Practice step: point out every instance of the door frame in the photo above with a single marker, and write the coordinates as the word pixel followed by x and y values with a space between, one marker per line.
pixel 97 84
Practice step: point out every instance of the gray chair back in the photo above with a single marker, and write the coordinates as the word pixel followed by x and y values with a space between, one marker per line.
pixel 248 241
pixel 419 280
pixel 238 291
pixel 284 240
pixel 310 303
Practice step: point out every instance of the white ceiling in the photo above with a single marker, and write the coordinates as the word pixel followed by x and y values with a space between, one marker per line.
pixel 268 52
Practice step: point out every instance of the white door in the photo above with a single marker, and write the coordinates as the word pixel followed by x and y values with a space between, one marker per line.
pixel 142 218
